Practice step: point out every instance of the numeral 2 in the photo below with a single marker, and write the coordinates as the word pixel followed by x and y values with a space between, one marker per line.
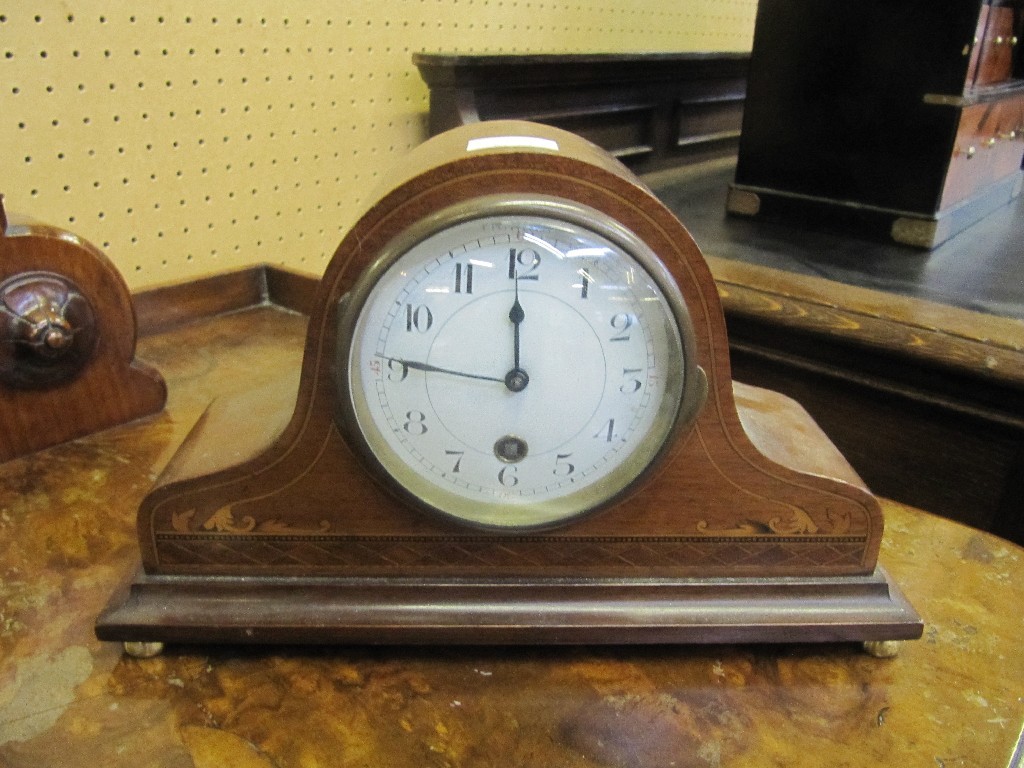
pixel 622 322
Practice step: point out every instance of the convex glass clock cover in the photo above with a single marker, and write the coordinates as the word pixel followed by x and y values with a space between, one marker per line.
pixel 516 362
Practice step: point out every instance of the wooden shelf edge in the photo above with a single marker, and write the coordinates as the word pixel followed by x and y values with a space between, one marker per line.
pixel 869 302
pixel 930 333
pixel 165 307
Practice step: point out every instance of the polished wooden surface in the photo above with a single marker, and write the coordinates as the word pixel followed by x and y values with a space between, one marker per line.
pixel 952 698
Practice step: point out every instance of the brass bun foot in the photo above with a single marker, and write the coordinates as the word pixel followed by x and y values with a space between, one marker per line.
pixel 139 650
pixel 883 649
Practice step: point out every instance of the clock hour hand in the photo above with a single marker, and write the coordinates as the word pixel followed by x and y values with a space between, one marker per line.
pixel 428 368
pixel 516 379
pixel 516 315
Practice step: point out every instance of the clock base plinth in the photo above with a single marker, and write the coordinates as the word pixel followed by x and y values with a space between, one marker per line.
pixel 510 611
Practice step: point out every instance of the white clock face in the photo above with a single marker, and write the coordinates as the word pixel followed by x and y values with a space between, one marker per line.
pixel 515 369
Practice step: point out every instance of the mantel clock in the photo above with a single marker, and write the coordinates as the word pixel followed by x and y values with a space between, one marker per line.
pixel 514 423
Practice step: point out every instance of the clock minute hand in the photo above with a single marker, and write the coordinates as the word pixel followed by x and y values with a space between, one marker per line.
pixel 428 368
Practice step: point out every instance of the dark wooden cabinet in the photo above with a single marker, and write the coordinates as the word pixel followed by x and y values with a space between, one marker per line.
pixel 650 110
pixel 901 119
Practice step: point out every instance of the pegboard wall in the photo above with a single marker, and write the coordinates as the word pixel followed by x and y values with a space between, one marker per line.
pixel 189 138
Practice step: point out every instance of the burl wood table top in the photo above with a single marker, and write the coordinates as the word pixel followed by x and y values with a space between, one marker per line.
pixel 67 541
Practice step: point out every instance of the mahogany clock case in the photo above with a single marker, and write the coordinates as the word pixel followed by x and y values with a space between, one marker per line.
pixel 267 527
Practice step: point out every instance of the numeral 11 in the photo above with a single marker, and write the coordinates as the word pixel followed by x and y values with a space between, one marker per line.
pixel 463 278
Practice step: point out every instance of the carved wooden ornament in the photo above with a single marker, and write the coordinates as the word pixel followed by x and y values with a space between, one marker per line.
pixel 284 518
pixel 67 341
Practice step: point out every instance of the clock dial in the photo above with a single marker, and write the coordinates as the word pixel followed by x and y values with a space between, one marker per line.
pixel 517 365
